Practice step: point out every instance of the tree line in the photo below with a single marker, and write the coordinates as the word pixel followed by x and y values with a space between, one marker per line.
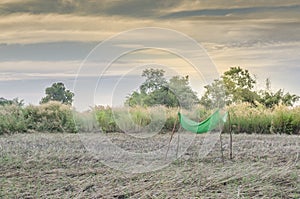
pixel 235 86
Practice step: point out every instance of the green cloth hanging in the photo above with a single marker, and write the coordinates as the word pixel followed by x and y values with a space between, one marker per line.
pixel 211 123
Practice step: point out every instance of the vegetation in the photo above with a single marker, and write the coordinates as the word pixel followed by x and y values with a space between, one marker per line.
pixel 51 165
pixel 237 86
pixel 156 90
pixel 49 117
pixel 14 101
pixel 58 92
pixel 155 105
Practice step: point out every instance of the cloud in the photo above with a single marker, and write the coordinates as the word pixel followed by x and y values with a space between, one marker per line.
pixel 130 8
pixel 45 41
pixel 28 70
pixel 232 11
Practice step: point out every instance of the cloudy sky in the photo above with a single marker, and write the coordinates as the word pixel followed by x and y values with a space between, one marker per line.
pixel 46 41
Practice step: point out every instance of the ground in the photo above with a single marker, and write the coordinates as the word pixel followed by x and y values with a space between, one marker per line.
pixel 60 166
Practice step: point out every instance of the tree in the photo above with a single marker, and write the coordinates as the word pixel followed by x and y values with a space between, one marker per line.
pixel 235 85
pixel 215 95
pixel 156 90
pixel 186 97
pixel 154 80
pixel 14 101
pixel 58 92
pixel 239 85
pixel 271 99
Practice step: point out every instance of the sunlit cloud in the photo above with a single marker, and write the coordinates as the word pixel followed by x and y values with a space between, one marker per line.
pixel 46 41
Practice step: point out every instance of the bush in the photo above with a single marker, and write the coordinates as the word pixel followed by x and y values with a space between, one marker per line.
pixel 12 119
pixel 105 119
pixel 49 117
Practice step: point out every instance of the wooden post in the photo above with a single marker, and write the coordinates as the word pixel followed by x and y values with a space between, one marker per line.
pixel 172 134
pixel 230 136
pixel 221 147
pixel 177 145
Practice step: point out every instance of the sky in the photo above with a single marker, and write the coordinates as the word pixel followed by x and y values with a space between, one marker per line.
pixel 47 41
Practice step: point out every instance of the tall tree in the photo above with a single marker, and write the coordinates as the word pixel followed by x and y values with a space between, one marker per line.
pixel 58 92
pixel 215 95
pixel 235 85
pixel 239 84
pixel 156 90
pixel 154 80
pixel 186 97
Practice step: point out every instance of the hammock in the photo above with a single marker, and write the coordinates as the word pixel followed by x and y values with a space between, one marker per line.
pixel 211 123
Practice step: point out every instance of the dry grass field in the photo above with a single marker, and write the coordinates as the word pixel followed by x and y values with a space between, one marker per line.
pixel 59 166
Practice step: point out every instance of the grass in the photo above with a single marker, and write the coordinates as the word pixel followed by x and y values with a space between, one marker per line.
pixel 49 165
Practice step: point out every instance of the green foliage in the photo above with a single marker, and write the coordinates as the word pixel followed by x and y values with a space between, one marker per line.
pixel 58 92
pixel 154 80
pixel 49 117
pixel 246 118
pixel 14 101
pixel 186 97
pixel 270 99
pixel 156 90
pixel 105 119
pixel 12 119
pixel 237 86
pixel 286 120
pixel 215 95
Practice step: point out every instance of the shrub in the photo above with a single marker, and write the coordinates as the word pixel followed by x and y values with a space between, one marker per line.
pixel 105 119
pixel 12 119
pixel 50 117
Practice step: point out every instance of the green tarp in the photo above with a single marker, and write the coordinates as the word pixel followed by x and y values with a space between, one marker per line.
pixel 211 123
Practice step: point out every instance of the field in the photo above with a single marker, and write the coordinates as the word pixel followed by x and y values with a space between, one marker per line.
pixel 44 165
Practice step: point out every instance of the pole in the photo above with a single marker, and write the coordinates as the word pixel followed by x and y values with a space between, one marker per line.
pixel 172 134
pixel 230 136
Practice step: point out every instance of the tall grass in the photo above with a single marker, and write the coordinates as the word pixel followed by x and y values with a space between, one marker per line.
pixel 245 118
pixel 56 117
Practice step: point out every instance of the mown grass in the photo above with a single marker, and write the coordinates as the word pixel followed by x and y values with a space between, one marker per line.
pixel 59 166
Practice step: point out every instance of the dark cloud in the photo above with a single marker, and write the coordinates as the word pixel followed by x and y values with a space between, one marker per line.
pixel 230 11
pixel 39 7
pixel 130 8
pixel 55 51
pixel 137 8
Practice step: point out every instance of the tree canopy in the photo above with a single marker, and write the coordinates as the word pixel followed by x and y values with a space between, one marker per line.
pixel 14 101
pixel 237 85
pixel 58 92
pixel 157 90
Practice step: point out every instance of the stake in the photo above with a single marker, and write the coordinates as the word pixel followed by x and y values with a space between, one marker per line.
pixel 177 145
pixel 230 136
pixel 221 147
pixel 172 134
